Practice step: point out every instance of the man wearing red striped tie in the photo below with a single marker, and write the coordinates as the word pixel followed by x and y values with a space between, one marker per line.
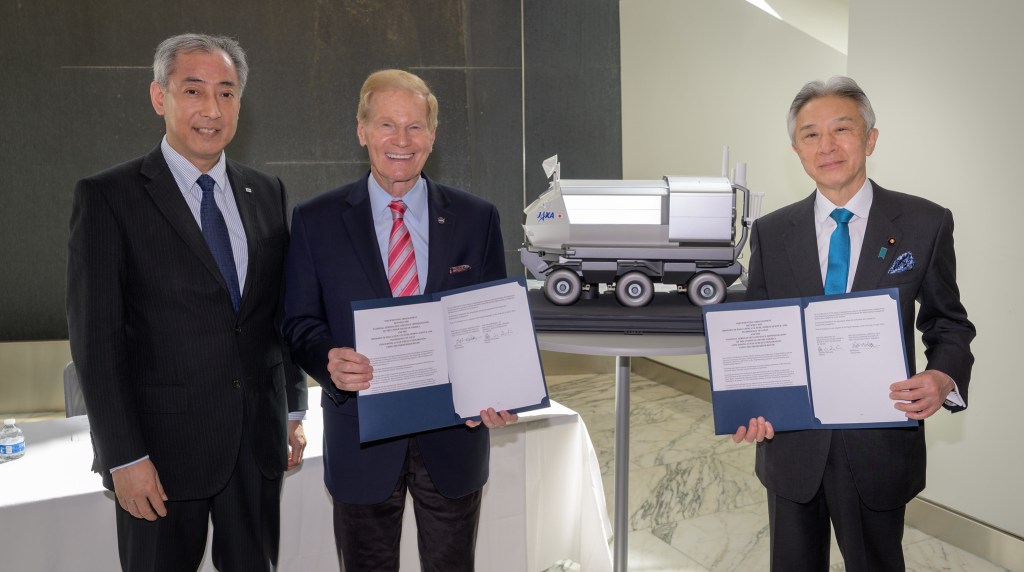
pixel 394 232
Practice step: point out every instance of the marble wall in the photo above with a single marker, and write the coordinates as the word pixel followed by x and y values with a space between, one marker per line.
pixel 517 80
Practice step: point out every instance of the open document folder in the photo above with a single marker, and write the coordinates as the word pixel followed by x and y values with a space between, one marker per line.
pixel 439 359
pixel 822 362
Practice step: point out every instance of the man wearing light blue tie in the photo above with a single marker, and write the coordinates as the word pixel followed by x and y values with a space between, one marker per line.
pixel 850 235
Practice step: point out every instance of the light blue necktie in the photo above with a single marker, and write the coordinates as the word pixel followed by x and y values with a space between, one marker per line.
pixel 839 253
pixel 215 231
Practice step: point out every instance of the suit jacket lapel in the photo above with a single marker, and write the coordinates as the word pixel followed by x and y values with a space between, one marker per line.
pixel 164 191
pixel 882 226
pixel 362 238
pixel 801 247
pixel 442 227
pixel 247 211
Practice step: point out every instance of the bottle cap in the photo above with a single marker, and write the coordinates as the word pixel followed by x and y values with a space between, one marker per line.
pixel 9 421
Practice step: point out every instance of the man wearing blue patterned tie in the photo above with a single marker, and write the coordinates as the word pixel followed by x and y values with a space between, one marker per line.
pixel 393 232
pixel 175 263
pixel 849 235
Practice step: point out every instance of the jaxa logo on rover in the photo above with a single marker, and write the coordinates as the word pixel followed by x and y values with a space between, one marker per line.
pixel 547 215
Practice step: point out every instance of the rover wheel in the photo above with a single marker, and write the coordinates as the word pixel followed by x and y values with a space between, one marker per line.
pixel 562 287
pixel 634 290
pixel 706 288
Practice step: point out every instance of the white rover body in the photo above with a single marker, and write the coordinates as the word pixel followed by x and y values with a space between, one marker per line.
pixel 630 234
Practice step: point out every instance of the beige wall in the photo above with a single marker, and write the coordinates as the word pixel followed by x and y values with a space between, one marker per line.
pixel 31 376
pixel 945 79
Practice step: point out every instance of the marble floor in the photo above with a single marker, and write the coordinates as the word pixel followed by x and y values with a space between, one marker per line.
pixel 695 504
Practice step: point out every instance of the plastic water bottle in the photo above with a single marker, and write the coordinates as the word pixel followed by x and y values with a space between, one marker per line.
pixel 12 442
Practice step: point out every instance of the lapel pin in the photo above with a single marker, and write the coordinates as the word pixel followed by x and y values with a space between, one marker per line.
pixel 440 220
pixel 892 240
pixel 881 253
pixel 248 190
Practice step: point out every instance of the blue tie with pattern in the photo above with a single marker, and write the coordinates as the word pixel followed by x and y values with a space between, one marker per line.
pixel 839 253
pixel 215 231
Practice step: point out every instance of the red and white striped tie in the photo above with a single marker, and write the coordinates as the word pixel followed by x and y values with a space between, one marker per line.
pixel 401 259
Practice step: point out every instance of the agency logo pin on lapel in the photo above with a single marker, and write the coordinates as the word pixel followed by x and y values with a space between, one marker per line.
pixel 891 242
pixel 440 220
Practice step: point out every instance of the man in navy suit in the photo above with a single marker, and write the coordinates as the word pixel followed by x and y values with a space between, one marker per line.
pixel 859 479
pixel 393 232
pixel 175 263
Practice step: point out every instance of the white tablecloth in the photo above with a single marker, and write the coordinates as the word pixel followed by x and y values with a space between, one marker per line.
pixel 544 502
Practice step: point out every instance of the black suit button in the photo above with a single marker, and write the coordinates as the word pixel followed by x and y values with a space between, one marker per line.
pixel 236 383
pixel 238 331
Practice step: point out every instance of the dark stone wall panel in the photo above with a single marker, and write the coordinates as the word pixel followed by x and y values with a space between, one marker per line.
pixel 76 101
pixel 573 94
pixel 492 33
pixel 495 150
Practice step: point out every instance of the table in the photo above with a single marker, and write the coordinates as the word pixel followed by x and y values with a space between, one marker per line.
pixel 621 346
pixel 544 502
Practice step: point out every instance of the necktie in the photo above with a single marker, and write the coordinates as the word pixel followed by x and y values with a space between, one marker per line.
pixel 215 231
pixel 839 253
pixel 401 259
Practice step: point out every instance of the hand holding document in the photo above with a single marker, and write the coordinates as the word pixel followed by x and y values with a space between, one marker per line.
pixel 441 359
pixel 824 362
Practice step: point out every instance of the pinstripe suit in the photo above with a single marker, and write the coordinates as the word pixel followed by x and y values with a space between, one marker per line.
pixel 887 465
pixel 167 367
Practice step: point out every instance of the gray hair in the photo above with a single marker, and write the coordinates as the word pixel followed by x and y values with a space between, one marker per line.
pixel 168 50
pixel 837 86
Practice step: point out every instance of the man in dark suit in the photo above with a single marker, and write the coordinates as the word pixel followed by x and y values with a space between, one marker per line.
pixel 393 232
pixel 860 479
pixel 175 264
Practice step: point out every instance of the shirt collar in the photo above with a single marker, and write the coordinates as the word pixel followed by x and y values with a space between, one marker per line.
pixel 415 200
pixel 185 173
pixel 859 205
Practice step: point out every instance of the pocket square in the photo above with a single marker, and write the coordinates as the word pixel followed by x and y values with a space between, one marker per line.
pixel 903 263
pixel 459 268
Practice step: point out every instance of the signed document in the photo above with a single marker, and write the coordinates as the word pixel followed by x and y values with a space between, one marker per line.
pixel 810 363
pixel 439 359
pixel 855 352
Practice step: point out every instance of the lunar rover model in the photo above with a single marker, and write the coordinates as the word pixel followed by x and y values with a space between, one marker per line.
pixel 631 234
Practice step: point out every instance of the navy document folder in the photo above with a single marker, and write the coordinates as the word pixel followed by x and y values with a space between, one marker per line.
pixel 439 359
pixel 823 362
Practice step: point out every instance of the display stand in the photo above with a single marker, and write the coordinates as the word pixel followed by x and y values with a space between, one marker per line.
pixel 622 347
